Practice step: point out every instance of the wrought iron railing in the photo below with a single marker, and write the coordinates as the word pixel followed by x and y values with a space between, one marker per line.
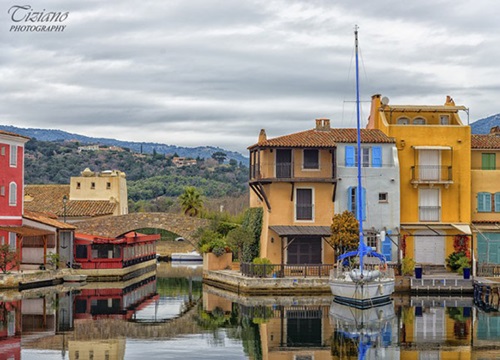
pixel 431 173
pixel 290 170
pixel 488 270
pixel 285 270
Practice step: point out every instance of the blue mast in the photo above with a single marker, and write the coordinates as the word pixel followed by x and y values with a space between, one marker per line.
pixel 359 190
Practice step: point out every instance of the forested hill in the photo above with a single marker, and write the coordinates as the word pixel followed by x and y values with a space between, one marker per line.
pixel 138 147
pixel 149 176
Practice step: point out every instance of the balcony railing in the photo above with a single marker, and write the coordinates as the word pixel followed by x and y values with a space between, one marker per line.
pixel 285 270
pixel 431 174
pixel 488 270
pixel 292 170
pixel 429 213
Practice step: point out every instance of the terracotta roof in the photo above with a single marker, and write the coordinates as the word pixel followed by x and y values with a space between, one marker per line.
pixel 47 220
pixel 49 199
pixel 325 138
pixel 26 230
pixel 13 134
pixel 78 208
pixel 488 141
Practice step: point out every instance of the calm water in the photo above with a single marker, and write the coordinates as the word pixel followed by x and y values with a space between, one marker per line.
pixel 170 315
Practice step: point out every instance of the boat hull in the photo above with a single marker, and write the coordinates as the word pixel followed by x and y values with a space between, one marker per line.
pixel 362 295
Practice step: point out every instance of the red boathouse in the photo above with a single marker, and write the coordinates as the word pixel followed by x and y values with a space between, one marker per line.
pixel 93 252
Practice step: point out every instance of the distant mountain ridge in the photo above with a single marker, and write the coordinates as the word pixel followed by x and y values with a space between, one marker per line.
pixel 483 126
pixel 146 147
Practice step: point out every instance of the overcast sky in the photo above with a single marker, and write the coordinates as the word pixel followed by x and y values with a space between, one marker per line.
pixel 214 72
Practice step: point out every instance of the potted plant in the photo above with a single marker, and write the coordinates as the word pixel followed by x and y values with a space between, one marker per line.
pixel 408 266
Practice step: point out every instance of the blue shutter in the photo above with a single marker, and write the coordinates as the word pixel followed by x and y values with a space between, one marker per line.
pixel 387 247
pixel 497 202
pixel 349 156
pixel 376 156
pixel 483 202
pixel 349 198
pixel 363 203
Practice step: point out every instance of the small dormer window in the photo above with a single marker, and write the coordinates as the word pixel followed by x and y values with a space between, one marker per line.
pixel 403 121
pixel 78 185
pixel 92 185
pixel 108 185
pixel 419 121
pixel 444 119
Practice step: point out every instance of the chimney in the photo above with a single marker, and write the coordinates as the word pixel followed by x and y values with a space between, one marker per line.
pixel 449 101
pixel 322 124
pixel 262 135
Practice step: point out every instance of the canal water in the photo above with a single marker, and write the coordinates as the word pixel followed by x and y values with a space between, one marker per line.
pixel 169 314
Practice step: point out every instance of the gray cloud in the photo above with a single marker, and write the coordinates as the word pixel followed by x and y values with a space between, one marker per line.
pixel 214 72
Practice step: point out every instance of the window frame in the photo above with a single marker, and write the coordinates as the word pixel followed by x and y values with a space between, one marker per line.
pixel 352 202
pixel 13 156
pixel 490 164
pixel 385 198
pixel 296 205
pixel 12 241
pixel 13 194
pixel 310 165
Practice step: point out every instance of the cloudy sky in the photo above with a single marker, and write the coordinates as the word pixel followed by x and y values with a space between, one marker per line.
pixel 214 72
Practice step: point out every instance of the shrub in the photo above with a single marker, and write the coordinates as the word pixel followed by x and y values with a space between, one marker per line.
pixel 408 266
pixel 264 270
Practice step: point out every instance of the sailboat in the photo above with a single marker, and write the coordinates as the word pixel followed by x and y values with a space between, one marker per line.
pixel 369 284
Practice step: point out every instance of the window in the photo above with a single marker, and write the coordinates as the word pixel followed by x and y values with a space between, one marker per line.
pixel 429 205
pixel 383 197
pixel 12 241
pixel 352 201
pixel 3 151
pixel 484 202
pixel 444 119
pixel 371 239
pixel 81 251
pixel 488 162
pixel 108 185
pixel 370 156
pixel 304 204
pixel 311 159
pixel 2 190
pixel 419 121
pixel 497 202
pixel 2 240
pixel 78 185
pixel 403 121
pixel 12 194
pixel 13 156
pixel 92 185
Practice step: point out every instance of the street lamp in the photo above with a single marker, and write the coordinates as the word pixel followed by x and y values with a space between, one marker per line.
pixel 65 201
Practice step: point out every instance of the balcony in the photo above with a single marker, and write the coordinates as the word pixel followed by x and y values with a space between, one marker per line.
pixel 431 175
pixel 292 172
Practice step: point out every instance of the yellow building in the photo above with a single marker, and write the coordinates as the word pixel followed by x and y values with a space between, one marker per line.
pixel 485 196
pixel 434 151
pixel 109 185
pixel 294 179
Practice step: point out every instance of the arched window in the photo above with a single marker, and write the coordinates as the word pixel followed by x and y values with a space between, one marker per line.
pixel 403 121
pixel 12 194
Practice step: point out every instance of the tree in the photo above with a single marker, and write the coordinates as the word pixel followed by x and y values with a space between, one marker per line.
pixel 7 257
pixel 237 239
pixel 345 232
pixel 219 156
pixel 191 201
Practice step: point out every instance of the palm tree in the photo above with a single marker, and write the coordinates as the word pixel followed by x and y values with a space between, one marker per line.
pixel 191 201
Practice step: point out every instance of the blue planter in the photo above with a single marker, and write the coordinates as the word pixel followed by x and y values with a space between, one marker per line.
pixel 466 273
pixel 418 273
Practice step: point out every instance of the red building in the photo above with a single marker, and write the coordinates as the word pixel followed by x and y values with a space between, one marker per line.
pixel 11 186
pixel 94 252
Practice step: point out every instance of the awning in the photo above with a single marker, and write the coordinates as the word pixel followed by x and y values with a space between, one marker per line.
pixel 25 230
pixel 286 230
pixel 432 147
pixel 463 228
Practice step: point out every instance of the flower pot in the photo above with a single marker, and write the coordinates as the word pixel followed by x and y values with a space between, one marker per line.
pixel 466 273
pixel 418 272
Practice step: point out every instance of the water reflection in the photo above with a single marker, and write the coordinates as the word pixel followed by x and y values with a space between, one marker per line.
pixel 170 315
